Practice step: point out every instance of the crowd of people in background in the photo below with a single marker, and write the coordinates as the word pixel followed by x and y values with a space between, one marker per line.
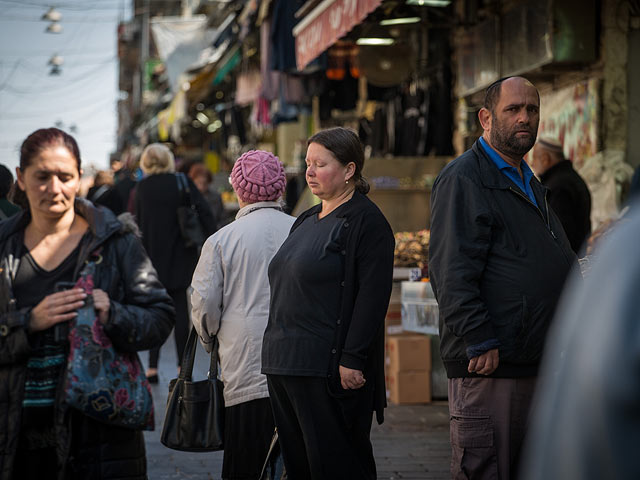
pixel 298 304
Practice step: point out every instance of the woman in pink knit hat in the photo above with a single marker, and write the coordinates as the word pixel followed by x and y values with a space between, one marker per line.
pixel 230 299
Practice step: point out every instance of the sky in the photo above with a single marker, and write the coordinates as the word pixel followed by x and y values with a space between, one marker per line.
pixel 82 98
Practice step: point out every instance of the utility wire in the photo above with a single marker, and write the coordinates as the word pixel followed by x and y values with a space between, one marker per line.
pixel 70 83
pixel 9 18
pixel 29 115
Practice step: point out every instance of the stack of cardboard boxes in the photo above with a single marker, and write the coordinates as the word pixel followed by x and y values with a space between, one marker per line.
pixel 408 368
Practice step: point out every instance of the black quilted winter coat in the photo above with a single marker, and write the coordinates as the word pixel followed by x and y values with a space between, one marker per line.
pixel 141 318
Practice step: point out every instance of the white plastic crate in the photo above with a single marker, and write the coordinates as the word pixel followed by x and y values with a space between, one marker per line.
pixel 416 291
pixel 420 316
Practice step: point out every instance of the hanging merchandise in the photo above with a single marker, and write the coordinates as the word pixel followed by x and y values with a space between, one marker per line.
pixel 385 66
pixel 248 87
pixel 282 41
pixel 342 79
pixel 269 76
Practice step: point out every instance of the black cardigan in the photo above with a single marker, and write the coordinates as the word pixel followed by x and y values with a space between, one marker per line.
pixel 368 243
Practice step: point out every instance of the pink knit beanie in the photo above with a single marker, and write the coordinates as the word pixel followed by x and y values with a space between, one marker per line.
pixel 258 176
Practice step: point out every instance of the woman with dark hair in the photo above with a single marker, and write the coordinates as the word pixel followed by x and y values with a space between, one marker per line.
pixel 323 349
pixel 157 198
pixel 41 247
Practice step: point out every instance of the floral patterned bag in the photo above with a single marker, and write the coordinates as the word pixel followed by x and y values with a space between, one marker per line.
pixel 102 382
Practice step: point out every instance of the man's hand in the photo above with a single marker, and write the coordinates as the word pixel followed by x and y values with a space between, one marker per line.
pixel 484 364
pixel 351 379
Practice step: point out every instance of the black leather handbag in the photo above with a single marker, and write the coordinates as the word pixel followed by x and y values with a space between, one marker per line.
pixel 194 419
pixel 188 219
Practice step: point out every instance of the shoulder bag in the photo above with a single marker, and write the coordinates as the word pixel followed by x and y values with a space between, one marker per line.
pixel 194 419
pixel 188 219
pixel 102 382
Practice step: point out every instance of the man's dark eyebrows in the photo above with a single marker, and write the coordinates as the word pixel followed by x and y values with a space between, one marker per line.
pixel 520 105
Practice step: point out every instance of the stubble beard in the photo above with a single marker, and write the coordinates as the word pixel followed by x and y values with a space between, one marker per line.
pixel 508 143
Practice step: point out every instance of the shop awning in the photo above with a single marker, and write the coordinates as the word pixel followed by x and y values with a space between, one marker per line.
pixel 327 23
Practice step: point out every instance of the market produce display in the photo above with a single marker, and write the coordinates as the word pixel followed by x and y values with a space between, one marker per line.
pixel 412 249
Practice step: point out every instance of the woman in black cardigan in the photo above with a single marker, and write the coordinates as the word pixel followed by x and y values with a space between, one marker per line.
pixel 323 349
pixel 157 199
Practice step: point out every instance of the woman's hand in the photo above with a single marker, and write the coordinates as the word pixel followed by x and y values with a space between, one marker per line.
pixel 351 379
pixel 101 304
pixel 55 308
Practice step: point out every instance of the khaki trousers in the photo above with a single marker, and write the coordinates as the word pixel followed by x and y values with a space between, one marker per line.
pixel 488 421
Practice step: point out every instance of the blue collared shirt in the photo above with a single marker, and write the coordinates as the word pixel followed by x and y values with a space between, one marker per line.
pixel 524 182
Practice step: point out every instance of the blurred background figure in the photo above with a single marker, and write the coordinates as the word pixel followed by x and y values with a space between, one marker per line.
pixel 157 199
pixel 7 208
pixel 586 417
pixel 123 183
pixel 568 195
pixel 633 195
pixel 100 192
pixel 202 178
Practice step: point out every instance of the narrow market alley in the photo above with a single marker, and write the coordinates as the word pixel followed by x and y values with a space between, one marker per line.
pixel 413 442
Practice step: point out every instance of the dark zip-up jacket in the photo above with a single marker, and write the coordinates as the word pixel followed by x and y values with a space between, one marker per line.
pixel 366 244
pixel 141 316
pixel 497 265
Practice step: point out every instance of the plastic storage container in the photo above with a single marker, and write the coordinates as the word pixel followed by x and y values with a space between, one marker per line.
pixel 420 291
pixel 420 316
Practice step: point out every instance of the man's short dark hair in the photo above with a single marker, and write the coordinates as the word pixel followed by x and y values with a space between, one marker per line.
pixel 492 94
pixel 6 181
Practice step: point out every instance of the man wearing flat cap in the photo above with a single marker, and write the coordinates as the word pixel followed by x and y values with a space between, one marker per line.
pixel 568 196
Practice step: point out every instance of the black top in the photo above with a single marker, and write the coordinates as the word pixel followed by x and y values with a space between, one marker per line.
pixel 306 303
pixel 33 283
pixel 46 361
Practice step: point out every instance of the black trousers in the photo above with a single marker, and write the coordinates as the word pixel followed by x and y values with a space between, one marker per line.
pixel 248 430
pixel 322 436
pixel 183 325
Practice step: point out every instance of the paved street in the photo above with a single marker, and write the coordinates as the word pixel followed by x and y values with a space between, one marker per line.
pixel 413 443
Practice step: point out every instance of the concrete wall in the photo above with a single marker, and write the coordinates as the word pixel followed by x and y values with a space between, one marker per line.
pixel 615 22
pixel 633 85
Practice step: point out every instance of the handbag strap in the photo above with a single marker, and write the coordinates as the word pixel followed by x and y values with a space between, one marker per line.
pixel 183 188
pixel 189 356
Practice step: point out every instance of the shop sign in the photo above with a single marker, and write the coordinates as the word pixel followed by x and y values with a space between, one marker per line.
pixel 327 23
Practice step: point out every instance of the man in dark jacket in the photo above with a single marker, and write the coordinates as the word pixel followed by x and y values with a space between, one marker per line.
pixel 498 262
pixel 569 196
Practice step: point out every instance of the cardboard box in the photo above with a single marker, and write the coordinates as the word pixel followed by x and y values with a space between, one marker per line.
pixel 408 386
pixel 408 352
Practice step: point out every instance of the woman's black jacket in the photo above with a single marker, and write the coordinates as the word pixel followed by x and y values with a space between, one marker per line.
pixel 367 246
pixel 141 317
pixel 157 200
